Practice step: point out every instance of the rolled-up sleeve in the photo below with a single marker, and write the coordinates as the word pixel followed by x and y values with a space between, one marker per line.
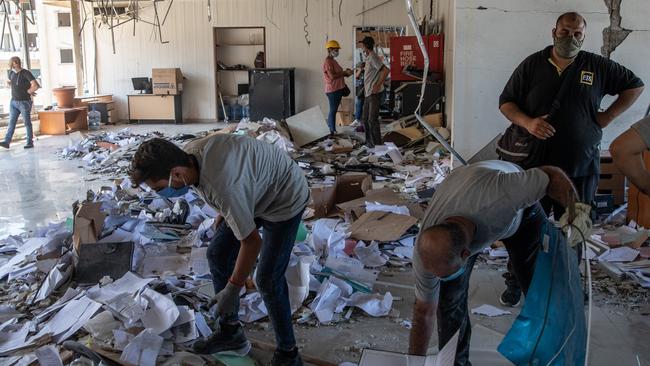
pixel 427 285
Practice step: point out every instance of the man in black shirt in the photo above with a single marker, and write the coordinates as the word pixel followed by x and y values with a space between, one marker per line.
pixel 573 136
pixel 23 88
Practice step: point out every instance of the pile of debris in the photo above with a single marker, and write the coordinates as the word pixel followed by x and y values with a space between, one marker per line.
pixel 127 274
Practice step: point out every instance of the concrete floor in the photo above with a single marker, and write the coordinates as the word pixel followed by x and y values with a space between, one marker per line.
pixel 37 187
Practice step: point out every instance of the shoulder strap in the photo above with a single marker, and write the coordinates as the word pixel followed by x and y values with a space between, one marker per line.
pixel 569 76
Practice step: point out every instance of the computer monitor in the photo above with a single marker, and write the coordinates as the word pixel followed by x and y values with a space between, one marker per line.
pixel 141 84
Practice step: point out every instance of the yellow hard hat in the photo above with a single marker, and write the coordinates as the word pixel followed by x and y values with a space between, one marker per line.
pixel 332 44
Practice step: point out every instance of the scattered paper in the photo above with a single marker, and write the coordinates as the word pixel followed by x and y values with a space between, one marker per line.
pixel 489 310
pixel 129 283
pixel 143 349
pixel 298 278
pixel 252 308
pixel 373 304
pixel 48 356
pixel 162 312
pixel 199 261
pixel 621 254
pixel 370 255
pixel 376 206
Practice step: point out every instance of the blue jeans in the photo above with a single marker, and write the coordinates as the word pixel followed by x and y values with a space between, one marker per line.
pixel 358 107
pixel 16 108
pixel 335 100
pixel 278 239
pixel 452 307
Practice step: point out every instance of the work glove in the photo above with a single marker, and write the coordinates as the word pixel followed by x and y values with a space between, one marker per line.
pixel 227 301
pixel 581 223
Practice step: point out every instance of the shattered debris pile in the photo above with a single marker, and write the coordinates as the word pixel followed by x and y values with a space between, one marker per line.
pixel 127 275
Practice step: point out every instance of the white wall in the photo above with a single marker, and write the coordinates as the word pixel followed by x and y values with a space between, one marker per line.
pixel 190 45
pixel 491 43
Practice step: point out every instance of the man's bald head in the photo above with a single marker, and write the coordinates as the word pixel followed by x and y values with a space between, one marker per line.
pixel 571 17
pixel 443 248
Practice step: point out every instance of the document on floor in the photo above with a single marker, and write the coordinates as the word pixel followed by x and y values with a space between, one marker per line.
pixel 445 357
pixel 489 310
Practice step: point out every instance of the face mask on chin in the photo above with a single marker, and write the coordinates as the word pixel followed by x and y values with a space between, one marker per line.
pixel 334 53
pixel 567 47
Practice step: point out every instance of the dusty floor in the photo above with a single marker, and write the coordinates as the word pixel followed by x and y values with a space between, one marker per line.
pixel 37 187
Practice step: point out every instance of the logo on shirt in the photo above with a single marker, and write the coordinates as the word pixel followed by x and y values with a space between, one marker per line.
pixel 587 77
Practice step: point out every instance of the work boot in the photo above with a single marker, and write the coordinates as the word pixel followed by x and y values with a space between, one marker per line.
pixel 4 144
pixel 228 340
pixel 511 297
pixel 286 358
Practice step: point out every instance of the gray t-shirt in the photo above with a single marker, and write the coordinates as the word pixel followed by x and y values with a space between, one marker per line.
pixel 371 73
pixel 643 128
pixel 245 179
pixel 493 195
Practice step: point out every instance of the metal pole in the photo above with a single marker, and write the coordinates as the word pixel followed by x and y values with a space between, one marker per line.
pixel 425 73
pixel 23 23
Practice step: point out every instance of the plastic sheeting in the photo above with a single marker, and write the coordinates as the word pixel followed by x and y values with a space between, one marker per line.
pixel 551 328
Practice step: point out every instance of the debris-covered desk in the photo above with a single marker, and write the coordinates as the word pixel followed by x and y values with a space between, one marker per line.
pixel 63 120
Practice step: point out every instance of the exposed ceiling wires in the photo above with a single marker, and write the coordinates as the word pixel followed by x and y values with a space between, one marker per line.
pixel 306 27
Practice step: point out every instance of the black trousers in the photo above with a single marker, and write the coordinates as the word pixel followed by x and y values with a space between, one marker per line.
pixel 586 187
pixel 452 307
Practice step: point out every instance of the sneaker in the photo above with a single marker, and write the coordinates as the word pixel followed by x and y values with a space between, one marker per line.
pixel 28 145
pixel 4 144
pixel 228 340
pixel 511 297
pixel 284 358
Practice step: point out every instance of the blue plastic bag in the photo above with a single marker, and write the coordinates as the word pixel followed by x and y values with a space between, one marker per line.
pixel 551 328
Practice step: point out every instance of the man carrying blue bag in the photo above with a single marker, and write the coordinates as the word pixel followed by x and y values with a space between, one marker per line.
pixel 475 206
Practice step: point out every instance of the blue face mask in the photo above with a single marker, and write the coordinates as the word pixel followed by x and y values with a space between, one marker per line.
pixel 170 191
pixel 454 275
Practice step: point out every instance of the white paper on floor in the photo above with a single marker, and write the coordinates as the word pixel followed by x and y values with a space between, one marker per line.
pixel 621 254
pixel 298 278
pixel 353 269
pixel 376 206
pixel 327 301
pixel 143 349
pixel 252 308
pixel 48 356
pixel 489 310
pixel 373 304
pixel 162 312
pixel 325 239
pixel 370 255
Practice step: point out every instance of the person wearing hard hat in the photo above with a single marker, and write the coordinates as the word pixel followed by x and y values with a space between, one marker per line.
pixel 334 77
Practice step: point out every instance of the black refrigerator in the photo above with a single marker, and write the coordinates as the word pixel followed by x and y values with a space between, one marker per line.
pixel 271 93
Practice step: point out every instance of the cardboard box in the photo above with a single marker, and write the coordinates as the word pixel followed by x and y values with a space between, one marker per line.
pixel 344 118
pixel 167 81
pixel 638 204
pixel 434 120
pixel 381 226
pixel 384 196
pixel 349 186
pixel 88 224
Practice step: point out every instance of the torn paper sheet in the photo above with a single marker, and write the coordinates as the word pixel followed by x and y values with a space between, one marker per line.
pixel 101 326
pixel 376 206
pixel 352 269
pixel 184 328
pixel 298 278
pixel 327 301
pixel 252 308
pixel 370 255
pixel 162 312
pixel 48 356
pixel 127 308
pixel 143 349
pixel 404 252
pixel 373 304
pixel 325 239
pixel 24 250
pixel 57 277
pixel 69 319
pixel 130 283
pixel 12 335
pixel 489 310
pixel 199 261
pixel 620 254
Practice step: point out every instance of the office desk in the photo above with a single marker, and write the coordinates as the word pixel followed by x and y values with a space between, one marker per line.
pixel 155 108
pixel 63 120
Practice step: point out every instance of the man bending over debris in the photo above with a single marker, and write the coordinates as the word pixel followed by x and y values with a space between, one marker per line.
pixel 475 206
pixel 252 184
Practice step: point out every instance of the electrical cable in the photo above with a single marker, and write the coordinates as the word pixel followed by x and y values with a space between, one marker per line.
pixel 304 19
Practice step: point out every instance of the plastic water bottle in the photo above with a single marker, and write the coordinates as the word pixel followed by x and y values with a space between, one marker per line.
pixel 94 119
